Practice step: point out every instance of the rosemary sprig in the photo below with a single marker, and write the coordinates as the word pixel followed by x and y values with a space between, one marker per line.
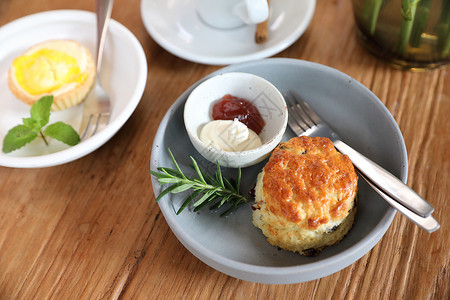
pixel 206 189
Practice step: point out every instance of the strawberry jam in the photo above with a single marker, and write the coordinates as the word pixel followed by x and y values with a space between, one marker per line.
pixel 231 107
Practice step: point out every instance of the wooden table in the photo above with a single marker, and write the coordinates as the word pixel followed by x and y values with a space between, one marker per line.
pixel 90 229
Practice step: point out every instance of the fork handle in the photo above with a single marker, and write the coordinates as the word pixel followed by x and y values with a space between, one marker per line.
pixel 429 223
pixel 386 182
pixel 104 9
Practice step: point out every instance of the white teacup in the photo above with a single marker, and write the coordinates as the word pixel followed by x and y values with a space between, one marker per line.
pixel 228 14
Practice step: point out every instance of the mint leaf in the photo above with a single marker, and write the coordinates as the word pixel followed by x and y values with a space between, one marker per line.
pixel 63 133
pixel 40 111
pixel 17 137
pixel 31 123
pixel 22 134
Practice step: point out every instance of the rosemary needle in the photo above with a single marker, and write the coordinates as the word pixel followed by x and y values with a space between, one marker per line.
pixel 206 189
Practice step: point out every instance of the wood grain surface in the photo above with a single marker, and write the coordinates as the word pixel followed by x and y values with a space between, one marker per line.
pixel 90 229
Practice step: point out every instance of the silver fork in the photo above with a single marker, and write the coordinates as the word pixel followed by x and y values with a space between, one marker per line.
pixel 304 121
pixel 97 106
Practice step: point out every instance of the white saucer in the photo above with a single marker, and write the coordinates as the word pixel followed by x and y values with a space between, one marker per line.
pixel 124 75
pixel 176 26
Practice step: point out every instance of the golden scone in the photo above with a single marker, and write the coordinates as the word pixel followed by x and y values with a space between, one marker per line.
pixel 305 196
pixel 62 68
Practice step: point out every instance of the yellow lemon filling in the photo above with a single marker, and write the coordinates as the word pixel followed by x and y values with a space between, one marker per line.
pixel 46 70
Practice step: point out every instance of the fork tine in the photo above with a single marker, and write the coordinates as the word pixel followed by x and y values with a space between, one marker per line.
pixel 95 127
pixel 308 112
pixel 300 113
pixel 91 127
pixel 96 123
pixel 294 120
pixel 84 135
pixel 103 120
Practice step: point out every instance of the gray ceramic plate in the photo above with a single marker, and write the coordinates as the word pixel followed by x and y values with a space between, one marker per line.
pixel 232 245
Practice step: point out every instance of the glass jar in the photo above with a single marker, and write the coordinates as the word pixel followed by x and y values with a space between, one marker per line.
pixel 411 34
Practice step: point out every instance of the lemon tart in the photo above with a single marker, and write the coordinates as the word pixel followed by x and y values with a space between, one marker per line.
pixel 62 68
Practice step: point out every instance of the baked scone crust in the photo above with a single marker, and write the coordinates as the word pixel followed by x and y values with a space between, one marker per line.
pixel 305 195
pixel 69 94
